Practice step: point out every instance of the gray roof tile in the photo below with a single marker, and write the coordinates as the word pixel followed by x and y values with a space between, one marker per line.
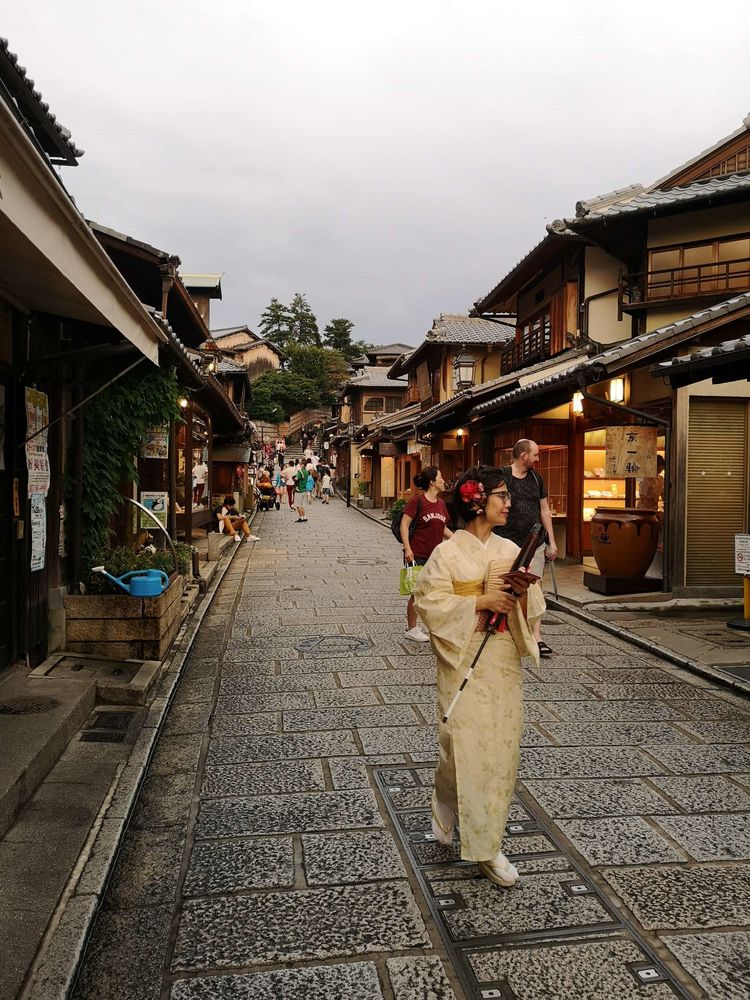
pixel 374 377
pixel 469 330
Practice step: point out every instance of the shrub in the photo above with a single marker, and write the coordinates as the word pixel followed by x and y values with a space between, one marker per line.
pixel 123 560
pixel 397 508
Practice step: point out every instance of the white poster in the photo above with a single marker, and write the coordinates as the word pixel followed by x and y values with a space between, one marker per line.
pixel 38 531
pixel 156 502
pixel 37 462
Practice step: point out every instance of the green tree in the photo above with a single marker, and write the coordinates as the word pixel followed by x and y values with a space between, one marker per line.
pixel 304 325
pixel 338 335
pixel 276 323
pixel 287 390
pixel 327 369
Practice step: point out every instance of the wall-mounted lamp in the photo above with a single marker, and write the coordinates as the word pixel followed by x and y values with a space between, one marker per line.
pixel 460 433
pixel 577 402
pixel 183 402
pixel 464 366
pixel 617 390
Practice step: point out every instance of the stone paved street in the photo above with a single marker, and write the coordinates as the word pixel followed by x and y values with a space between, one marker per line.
pixel 278 849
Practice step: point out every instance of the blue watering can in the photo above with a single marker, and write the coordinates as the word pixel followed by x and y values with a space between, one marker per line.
pixel 143 582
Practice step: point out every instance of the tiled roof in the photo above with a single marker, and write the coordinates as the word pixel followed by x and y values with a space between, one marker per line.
pixel 394 350
pixel 727 352
pixel 374 377
pixel 228 331
pixel 469 330
pixel 553 236
pixel 652 201
pixel 616 357
pixel 227 366
pixel 29 106
pixel 131 241
pixel 676 171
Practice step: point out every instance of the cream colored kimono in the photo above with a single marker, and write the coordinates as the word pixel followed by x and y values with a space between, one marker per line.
pixel 479 745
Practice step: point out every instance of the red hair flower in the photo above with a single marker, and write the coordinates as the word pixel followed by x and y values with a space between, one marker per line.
pixel 473 494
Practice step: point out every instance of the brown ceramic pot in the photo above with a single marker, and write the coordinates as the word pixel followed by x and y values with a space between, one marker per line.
pixel 624 540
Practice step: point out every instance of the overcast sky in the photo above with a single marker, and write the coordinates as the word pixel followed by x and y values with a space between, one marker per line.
pixel 391 160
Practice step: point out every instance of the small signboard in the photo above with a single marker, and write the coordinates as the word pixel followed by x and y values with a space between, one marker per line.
pixel 631 452
pixel 156 444
pixel 742 554
pixel 156 502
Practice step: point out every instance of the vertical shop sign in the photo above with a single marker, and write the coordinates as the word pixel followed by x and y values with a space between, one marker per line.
pixel 37 460
pixel 631 452
pixel 38 531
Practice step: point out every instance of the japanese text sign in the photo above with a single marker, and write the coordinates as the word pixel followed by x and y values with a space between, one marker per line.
pixel 631 452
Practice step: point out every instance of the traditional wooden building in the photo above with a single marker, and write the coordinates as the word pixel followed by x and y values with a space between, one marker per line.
pixel 65 312
pixel 240 344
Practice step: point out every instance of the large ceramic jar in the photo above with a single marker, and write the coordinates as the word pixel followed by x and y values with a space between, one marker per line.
pixel 624 540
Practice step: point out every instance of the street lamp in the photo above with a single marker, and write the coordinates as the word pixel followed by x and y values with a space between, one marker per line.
pixel 350 434
pixel 463 366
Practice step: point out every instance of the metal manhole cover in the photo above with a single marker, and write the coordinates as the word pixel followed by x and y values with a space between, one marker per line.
pixel 320 644
pixel 360 561
pixel 28 706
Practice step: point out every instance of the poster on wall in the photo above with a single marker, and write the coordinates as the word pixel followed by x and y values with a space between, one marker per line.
pixel 156 502
pixel 38 531
pixel 156 444
pixel 37 461
pixel 631 452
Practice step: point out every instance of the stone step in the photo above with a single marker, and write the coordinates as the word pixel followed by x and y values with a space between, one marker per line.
pixel 39 717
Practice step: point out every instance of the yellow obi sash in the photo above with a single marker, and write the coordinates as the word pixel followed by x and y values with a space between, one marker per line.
pixel 468 588
pixel 517 624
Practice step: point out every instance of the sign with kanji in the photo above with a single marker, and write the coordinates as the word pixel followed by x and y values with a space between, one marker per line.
pixel 631 452
pixel 742 554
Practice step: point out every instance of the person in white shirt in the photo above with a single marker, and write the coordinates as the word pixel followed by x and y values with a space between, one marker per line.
pixel 200 474
pixel 327 486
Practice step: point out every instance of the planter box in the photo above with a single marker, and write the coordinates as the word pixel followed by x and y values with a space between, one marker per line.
pixel 139 628
pixel 366 502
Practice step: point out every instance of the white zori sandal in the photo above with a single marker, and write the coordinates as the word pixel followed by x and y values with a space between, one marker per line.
pixel 499 870
pixel 443 821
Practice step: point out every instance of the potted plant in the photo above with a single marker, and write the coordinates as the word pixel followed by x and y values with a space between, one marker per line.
pixel 365 500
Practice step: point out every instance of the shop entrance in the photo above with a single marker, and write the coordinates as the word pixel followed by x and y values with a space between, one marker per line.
pixel 6 529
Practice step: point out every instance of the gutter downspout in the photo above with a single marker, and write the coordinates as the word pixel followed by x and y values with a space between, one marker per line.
pixel 666 424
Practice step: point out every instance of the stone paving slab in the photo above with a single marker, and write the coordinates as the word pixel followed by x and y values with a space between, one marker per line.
pixel 239 865
pixel 261 723
pixel 701 760
pixel 248 683
pixel 675 898
pixel 419 979
pixel 242 749
pixel 712 709
pixel 585 762
pixel 376 678
pixel 275 701
pixel 297 813
pixel 164 800
pixel 242 931
pixel 349 773
pixel 617 733
pixel 147 869
pixel 619 840
pixel 580 970
pixel 355 981
pixel 718 961
pixel 345 698
pixel 340 858
pixel 705 793
pixel 597 797
pixel 720 732
pixel 256 779
pixel 349 718
pixel 635 710
pixel 331 664
pixel 710 838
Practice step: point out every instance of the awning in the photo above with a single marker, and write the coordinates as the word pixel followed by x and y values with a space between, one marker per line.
pixel 52 262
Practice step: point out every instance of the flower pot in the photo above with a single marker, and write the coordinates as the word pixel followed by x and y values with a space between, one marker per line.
pixel 624 540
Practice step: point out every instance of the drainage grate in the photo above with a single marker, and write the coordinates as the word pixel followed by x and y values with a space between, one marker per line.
pixel 508 945
pixel 97 736
pixel 28 706
pixel 320 645
pixel 110 720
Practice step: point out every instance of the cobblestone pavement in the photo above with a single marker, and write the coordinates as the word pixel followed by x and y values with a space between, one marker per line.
pixel 278 849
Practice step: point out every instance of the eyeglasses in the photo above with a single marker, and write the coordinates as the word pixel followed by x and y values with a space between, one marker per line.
pixel 503 494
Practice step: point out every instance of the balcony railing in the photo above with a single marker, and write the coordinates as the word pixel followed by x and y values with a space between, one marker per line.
pixel 535 346
pixel 644 289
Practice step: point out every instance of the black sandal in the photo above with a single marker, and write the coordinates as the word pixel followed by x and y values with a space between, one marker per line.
pixel 544 649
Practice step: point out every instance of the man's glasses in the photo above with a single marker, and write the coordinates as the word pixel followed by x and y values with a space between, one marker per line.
pixel 503 494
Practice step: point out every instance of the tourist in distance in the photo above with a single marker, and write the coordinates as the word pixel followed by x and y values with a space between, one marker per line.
pixel 430 517
pixel 479 744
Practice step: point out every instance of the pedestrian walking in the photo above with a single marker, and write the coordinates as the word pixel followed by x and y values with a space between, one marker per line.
pixel 200 474
pixel 301 479
pixel 430 517
pixel 279 484
pixel 479 744
pixel 310 485
pixel 280 449
pixel 288 475
pixel 529 505
pixel 327 486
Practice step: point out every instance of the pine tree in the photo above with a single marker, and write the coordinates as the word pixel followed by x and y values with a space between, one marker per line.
pixel 304 325
pixel 276 323
pixel 338 335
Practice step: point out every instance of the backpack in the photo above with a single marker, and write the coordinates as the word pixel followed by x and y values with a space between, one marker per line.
pixel 396 524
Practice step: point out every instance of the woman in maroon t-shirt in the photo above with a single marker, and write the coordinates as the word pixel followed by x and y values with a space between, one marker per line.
pixel 431 517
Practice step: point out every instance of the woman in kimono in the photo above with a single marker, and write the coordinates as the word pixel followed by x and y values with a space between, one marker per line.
pixel 479 745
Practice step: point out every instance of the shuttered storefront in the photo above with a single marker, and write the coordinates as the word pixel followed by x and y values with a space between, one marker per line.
pixel 716 489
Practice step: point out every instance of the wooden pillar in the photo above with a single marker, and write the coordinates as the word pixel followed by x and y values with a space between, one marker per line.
pixel 210 459
pixel 172 460
pixel 76 527
pixel 574 533
pixel 188 452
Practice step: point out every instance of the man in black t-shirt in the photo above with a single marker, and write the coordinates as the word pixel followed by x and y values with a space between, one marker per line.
pixel 529 504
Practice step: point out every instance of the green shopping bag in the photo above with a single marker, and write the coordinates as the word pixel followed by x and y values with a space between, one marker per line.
pixel 408 579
